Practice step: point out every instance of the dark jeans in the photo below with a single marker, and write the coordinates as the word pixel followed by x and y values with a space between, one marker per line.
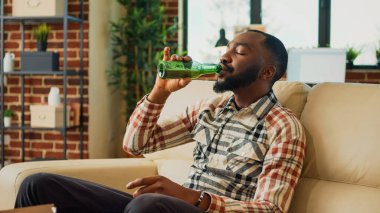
pixel 74 195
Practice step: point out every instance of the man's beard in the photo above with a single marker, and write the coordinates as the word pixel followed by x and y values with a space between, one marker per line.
pixel 241 80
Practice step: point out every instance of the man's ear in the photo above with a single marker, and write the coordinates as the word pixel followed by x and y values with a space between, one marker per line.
pixel 268 72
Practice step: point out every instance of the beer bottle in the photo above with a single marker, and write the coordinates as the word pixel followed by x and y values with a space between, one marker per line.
pixel 190 69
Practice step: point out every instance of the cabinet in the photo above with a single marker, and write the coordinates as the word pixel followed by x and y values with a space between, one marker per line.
pixel 24 74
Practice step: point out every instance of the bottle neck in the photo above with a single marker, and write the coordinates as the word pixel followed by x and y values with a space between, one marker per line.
pixel 211 68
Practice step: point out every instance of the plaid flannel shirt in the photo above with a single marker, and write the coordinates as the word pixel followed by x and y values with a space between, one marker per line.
pixel 247 160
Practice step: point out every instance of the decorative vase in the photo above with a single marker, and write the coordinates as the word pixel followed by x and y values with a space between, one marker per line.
pixel 53 98
pixel 7 121
pixel 41 46
pixel 9 62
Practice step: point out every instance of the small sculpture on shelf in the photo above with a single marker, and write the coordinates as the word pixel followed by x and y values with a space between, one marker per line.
pixel 41 33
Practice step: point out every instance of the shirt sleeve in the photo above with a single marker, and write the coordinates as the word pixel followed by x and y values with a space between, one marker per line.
pixel 145 135
pixel 281 170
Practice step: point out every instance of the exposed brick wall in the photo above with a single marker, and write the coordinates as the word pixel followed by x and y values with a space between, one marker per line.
pixel 367 76
pixel 171 13
pixel 363 76
pixel 49 144
pixel 46 144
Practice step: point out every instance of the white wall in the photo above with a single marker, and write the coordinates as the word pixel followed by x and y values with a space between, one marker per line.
pixel 106 120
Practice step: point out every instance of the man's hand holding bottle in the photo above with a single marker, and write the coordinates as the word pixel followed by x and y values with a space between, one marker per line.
pixel 164 87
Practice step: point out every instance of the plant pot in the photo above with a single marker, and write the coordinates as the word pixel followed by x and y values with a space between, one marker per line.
pixel 349 64
pixel 41 46
pixel 7 121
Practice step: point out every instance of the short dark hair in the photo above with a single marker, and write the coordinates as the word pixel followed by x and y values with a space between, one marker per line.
pixel 279 53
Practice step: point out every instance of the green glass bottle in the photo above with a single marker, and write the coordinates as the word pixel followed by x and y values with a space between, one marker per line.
pixel 191 69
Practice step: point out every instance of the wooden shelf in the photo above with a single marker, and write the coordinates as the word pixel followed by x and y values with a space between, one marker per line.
pixel 59 72
pixel 27 127
pixel 40 19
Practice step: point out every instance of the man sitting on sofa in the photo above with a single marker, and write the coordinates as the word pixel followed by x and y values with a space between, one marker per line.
pixel 249 151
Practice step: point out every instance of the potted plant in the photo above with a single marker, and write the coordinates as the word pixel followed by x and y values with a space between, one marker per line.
pixel 351 54
pixel 7 117
pixel 41 34
pixel 137 40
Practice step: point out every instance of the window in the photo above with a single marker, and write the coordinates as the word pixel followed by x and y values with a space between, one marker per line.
pixel 356 24
pixel 294 22
pixel 298 23
pixel 206 18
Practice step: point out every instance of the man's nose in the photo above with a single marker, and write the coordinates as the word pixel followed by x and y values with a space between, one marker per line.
pixel 225 59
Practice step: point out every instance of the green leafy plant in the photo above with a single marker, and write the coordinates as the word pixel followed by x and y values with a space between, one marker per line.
pixel 41 32
pixel 352 53
pixel 138 39
pixel 8 113
pixel 378 54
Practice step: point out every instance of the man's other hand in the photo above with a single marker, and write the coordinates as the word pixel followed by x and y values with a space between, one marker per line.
pixel 162 185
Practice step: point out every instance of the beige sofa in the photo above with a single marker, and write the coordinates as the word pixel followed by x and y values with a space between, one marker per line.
pixel 341 171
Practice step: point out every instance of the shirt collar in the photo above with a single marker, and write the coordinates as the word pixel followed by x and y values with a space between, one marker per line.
pixel 260 108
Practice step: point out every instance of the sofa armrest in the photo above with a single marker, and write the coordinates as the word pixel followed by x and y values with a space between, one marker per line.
pixel 115 173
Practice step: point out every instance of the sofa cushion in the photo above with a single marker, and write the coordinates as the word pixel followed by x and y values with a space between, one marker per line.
pixel 182 152
pixel 114 173
pixel 342 123
pixel 292 95
pixel 176 170
pixel 316 196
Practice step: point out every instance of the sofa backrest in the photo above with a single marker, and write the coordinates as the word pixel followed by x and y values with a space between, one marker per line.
pixel 290 94
pixel 343 126
pixel 341 171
